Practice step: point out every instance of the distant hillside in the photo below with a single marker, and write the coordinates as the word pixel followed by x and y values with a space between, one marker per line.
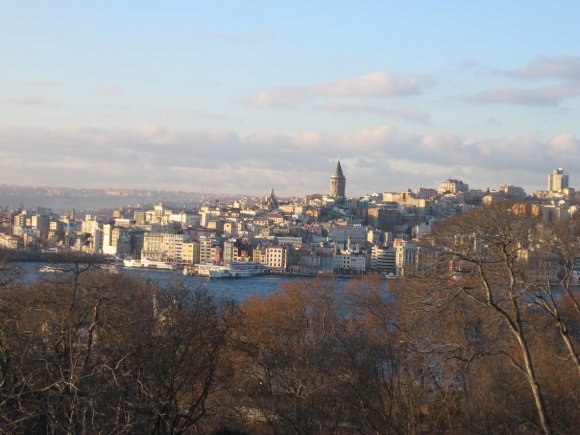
pixel 66 198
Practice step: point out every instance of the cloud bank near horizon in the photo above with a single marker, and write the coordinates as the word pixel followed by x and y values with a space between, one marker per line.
pixel 220 160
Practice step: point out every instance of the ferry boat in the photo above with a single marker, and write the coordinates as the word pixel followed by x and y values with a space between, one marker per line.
pixel 209 270
pixel 132 263
pixel 149 264
pixel 246 269
pixel 233 270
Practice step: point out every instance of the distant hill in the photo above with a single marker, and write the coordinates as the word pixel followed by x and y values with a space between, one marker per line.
pixel 66 198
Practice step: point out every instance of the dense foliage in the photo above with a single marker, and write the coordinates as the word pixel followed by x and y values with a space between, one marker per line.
pixel 482 339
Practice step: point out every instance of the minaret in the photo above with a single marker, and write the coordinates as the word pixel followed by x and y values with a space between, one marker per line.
pixel 337 183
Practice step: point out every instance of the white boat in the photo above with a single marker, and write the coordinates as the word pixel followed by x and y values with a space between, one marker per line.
pixel 132 263
pixel 246 270
pixel 156 264
pixel 219 273
pixel 50 269
pixel 233 270
pixel 212 270
pixel 149 264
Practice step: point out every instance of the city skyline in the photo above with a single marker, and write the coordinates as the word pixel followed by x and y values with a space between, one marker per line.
pixel 238 98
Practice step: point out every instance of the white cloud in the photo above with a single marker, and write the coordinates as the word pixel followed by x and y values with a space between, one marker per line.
pixel 566 143
pixel 287 96
pixel 377 84
pixel 550 95
pixel 563 67
pixel 109 90
pixel 200 113
pixel 412 114
pixel 563 74
pixel 43 83
pixel 27 101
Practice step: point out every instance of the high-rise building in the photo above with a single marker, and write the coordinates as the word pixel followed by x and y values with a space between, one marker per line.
pixel 338 183
pixel 557 181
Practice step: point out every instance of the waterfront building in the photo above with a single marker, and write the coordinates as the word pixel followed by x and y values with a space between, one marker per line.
pixel 231 251
pixel 350 260
pixel 276 257
pixel 207 252
pixel 190 252
pixel 9 241
pixel 383 260
pixel 94 241
pixel 163 246
pixel 406 255
pixel 116 240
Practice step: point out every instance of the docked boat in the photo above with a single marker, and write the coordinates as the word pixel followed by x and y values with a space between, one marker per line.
pixel 209 270
pixel 233 270
pixel 149 264
pixel 246 270
pixel 155 264
pixel 219 273
pixel 130 262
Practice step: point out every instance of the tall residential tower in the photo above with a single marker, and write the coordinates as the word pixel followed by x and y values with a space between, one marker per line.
pixel 558 181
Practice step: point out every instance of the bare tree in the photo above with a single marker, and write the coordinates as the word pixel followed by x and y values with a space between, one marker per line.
pixel 484 255
pixel 551 277
pixel 289 366
pixel 95 352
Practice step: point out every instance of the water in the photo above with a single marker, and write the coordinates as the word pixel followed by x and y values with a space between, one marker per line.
pixel 236 289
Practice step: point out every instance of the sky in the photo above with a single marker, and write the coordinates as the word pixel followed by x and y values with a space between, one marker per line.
pixel 239 97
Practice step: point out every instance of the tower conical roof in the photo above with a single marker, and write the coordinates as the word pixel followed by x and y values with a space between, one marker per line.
pixel 338 170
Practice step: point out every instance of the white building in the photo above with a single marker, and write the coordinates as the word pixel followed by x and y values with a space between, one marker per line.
pixel 163 246
pixel 207 251
pixel 406 256
pixel 557 181
pixel 383 260
pixel 513 192
pixel 340 234
pixel 350 261
pixel 185 220
pixel 277 257
pixel 116 240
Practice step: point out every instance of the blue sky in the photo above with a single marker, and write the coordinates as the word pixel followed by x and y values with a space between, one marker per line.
pixel 238 97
